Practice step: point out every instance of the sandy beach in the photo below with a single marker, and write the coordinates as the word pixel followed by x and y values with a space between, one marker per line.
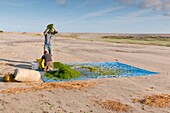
pixel 108 95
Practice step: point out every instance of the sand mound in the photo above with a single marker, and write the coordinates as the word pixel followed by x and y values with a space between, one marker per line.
pixel 46 86
pixel 114 105
pixel 159 100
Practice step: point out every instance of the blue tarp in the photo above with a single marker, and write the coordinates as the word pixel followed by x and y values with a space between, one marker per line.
pixel 126 71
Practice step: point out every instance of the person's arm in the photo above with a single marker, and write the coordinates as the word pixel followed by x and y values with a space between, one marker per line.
pixel 52 58
pixel 45 31
pixel 55 31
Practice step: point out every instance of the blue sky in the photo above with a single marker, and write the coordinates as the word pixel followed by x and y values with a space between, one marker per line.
pixel 103 16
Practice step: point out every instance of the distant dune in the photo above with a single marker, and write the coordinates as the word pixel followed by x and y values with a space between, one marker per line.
pixel 96 35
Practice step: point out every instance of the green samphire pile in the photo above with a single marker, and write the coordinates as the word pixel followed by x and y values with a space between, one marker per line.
pixel 50 27
pixel 62 71
pixel 101 71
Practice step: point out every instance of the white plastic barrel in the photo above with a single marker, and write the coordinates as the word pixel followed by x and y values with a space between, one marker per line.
pixel 34 65
pixel 25 75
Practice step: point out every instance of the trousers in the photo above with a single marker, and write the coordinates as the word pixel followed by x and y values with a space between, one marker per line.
pixel 48 47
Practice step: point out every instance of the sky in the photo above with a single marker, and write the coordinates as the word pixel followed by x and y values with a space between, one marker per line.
pixel 101 16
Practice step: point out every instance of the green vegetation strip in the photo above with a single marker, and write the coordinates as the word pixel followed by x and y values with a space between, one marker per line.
pixel 145 40
pixel 141 39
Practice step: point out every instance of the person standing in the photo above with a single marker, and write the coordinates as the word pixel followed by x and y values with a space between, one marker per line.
pixel 49 32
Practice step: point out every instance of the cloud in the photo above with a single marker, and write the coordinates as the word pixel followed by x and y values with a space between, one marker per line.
pixel 167 14
pixel 166 5
pixel 61 2
pixel 95 14
pixel 156 5
pixel 128 2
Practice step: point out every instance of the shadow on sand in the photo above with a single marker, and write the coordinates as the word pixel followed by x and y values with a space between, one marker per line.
pixel 20 64
pixel 15 61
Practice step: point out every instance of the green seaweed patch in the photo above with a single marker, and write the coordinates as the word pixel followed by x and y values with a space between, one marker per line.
pixel 58 65
pixel 102 71
pixel 92 69
pixel 1 31
pixel 62 71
